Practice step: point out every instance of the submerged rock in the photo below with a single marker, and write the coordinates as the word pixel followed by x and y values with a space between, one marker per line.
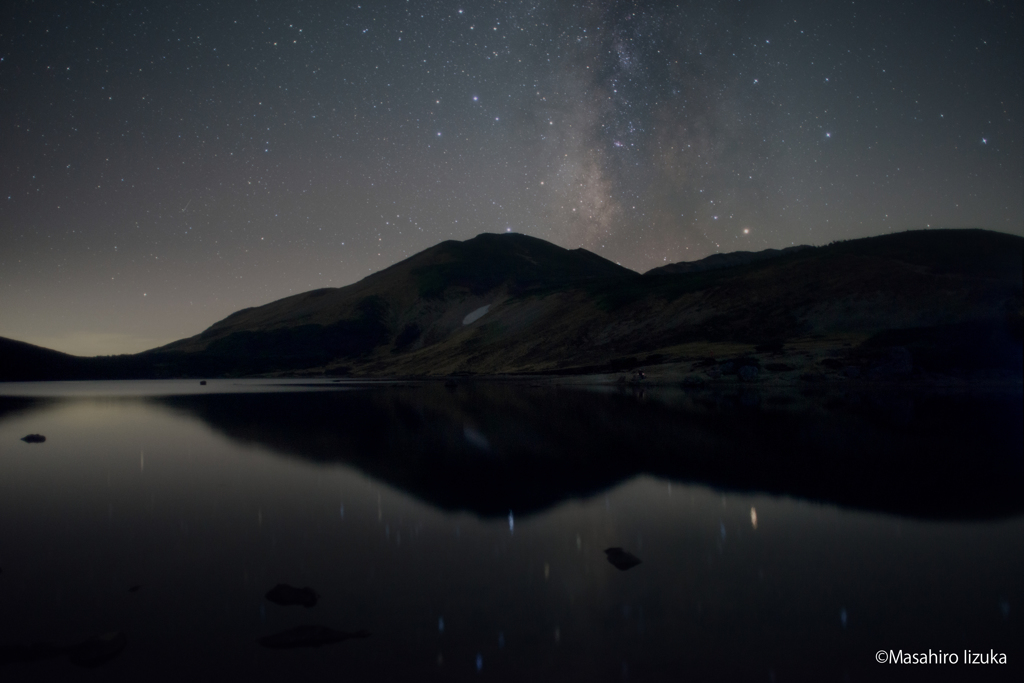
pixel 620 559
pixel 311 635
pixel 283 594
pixel 34 438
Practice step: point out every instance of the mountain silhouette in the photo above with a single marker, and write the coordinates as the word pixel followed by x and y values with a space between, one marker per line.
pixel 932 300
pixel 491 447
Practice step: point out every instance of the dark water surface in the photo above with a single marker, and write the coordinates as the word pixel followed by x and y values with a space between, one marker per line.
pixel 780 536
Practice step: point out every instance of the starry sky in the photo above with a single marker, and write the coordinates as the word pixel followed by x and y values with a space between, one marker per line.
pixel 165 164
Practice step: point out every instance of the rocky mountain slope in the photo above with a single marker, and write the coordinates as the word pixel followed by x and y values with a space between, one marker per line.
pixel 501 304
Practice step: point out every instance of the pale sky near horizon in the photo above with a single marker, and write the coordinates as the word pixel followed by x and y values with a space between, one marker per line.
pixel 166 165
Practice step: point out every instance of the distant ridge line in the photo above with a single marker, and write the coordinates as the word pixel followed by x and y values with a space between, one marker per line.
pixel 946 302
pixel 727 260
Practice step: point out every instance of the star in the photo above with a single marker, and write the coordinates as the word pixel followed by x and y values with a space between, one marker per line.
pixel 656 79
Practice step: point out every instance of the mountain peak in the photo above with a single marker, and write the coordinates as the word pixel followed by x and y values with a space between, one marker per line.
pixel 511 303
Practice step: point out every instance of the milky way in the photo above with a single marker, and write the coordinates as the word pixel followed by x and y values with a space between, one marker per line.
pixel 165 165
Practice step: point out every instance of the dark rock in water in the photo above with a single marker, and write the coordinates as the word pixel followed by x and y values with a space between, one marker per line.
pixel 202 383
pixel 748 373
pixel 283 594
pixel 97 651
pixel 309 636
pixel 693 381
pixel 620 559
pixel 852 371
pixel 34 438
pixel 812 377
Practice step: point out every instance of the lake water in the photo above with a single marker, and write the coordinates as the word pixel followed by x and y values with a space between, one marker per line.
pixel 781 536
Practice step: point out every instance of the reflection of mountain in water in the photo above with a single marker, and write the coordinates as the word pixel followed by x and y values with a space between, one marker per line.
pixel 492 448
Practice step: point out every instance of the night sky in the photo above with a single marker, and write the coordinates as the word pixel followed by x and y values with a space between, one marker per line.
pixel 165 164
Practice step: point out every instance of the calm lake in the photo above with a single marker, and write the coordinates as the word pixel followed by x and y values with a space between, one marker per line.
pixel 459 532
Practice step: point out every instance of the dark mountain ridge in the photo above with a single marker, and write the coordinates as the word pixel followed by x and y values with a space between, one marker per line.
pixel 20 361
pixel 717 261
pixel 510 304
